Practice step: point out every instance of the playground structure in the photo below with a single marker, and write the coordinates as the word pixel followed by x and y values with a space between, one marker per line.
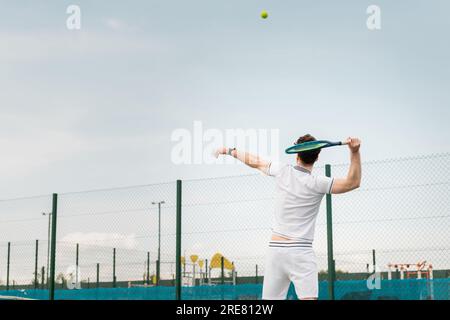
pixel 411 269
pixel 199 272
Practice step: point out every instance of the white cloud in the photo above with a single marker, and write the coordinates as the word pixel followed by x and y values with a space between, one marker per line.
pixel 50 45
pixel 116 240
pixel 119 25
pixel 24 154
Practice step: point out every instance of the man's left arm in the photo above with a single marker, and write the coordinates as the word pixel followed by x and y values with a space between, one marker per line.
pixel 249 159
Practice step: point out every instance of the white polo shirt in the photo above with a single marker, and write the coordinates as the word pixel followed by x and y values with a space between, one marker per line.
pixel 299 194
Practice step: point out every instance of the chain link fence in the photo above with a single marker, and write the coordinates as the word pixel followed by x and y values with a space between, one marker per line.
pixel 390 238
pixel 399 222
pixel 24 245
pixel 117 238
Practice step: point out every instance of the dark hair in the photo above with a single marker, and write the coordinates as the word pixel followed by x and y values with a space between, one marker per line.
pixel 308 157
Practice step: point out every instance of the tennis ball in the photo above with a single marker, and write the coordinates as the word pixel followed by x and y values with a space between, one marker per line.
pixel 264 14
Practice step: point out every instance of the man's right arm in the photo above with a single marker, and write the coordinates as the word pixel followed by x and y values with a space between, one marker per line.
pixel 353 179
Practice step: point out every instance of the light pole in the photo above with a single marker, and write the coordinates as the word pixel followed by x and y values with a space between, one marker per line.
pixel 48 240
pixel 158 266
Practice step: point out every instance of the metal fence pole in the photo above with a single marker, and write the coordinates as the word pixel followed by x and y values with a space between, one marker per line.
pixel 98 275
pixel 206 270
pixel 8 262
pixel 53 248
pixel 148 268
pixel 374 260
pixel 222 270
pixel 222 277
pixel 256 274
pixel 155 278
pixel 334 277
pixel 114 267
pixel 158 268
pixel 233 273
pixel 42 277
pixel 49 231
pixel 158 265
pixel 36 265
pixel 331 269
pixel 178 243
pixel 76 264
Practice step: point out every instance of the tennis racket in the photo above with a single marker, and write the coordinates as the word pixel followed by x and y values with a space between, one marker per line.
pixel 314 145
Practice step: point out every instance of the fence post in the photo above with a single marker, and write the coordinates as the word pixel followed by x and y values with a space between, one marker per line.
pixel 114 267
pixel 36 265
pixel 76 264
pixel 206 271
pixel 98 275
pixel 331 269
pixel 334 276
pixel 157 272
pixel 178 243
pixel 222 270
pixel 374 260
pixel 222 277
pixel 8 262
pixel 53 248
pixel 42 277
pixel 148 268
pixel 233 273
pixel 256 274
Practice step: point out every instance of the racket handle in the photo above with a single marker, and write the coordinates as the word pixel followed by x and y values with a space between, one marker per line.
pixel 344 142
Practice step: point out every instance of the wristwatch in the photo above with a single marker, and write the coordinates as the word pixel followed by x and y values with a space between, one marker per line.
pixel 230 150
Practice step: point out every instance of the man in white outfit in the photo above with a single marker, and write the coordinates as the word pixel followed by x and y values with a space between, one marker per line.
pixel 290 256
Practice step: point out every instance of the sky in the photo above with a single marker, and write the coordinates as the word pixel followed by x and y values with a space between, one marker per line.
pixel 96 108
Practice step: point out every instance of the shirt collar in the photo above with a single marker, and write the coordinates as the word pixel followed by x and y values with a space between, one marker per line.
pixel 302 169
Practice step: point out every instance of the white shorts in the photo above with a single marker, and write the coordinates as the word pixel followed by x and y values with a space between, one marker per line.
pixel 286 262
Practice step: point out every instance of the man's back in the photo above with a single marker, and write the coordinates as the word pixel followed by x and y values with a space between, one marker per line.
pixel 299 194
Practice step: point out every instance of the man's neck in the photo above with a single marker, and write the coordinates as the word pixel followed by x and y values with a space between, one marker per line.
pixel 309 167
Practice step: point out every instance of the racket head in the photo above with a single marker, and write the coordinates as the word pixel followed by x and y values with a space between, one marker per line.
pixel 311 145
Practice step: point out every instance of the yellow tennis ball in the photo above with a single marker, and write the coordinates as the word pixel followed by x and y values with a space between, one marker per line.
pixel 264 14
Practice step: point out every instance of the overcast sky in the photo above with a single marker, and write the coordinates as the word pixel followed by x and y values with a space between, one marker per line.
pixel 96 107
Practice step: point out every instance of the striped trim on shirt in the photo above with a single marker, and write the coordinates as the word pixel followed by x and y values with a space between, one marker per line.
pixel 289 244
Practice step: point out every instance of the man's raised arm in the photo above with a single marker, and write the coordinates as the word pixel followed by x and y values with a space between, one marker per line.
pixel 353 179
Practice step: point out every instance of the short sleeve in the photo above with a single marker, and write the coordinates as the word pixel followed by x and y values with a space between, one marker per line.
pixel 323 184
pixel 275 168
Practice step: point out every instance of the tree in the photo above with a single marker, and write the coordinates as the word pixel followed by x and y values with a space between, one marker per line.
pixel 35 281
pixel 61 278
